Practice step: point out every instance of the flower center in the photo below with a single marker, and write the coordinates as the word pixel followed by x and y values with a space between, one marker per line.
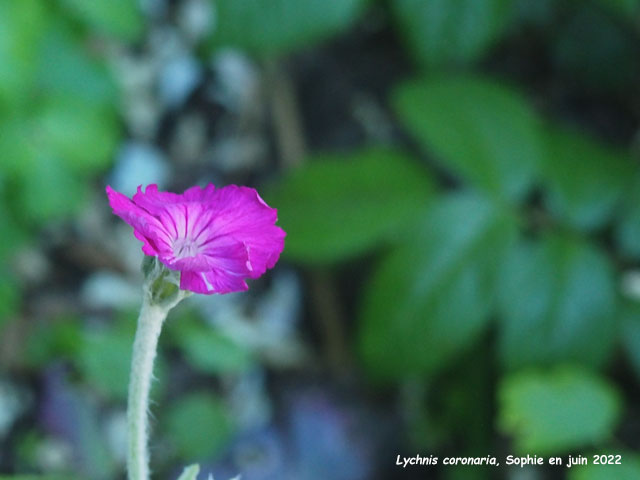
pixel 185 247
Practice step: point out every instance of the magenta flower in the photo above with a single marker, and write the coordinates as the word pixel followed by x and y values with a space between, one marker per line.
pixel 216 238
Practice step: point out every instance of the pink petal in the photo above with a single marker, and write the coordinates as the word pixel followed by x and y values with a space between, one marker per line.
pixel 198 194
pixel 227 275
pixel 155 201
pixel 240 213
pixel 146 227
pixel 149 247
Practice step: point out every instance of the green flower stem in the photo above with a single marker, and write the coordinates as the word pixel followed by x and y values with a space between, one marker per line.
pixel 144 351
pixel 161 294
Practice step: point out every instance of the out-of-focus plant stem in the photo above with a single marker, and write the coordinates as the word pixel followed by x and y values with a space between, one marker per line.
pixel 293 150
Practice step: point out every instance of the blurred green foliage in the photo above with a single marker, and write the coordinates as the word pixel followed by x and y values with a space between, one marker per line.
pixel 517 247
pixel 442 33
pixel 629 332
pixel 588 200
pixel 211 352
pixel 627 8
pixel 351 195
pixel 486 133
pixel 118 18
pixel 58 123
pixel 269 28
pixel 557 302
pixel 433 295
pixel 595 50
pixel 198 425
pixel 57 115
pixel 34 477
pixel 557 411
pixel 627 227
pixel 628 469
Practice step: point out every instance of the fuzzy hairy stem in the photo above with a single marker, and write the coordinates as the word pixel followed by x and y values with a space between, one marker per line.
pixel 144 351
pixel 161 293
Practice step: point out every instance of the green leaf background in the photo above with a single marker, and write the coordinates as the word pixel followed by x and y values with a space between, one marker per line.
pixel 357 201
pixel 557 304
pixel 412 320
pixel 451 32
pixel 557 411
pixel 461 121
pixel 272 27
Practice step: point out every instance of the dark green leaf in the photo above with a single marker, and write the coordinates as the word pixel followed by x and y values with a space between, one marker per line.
pixel 119 18
pixel 12 237
pixel 628 469
pixel 445 32
pixel 627 232
pixel 630 334
pixel 82 134
pixel 340 206
pixel 594 51
pixel 432 297
pixel 198 425
pixel 628 9
pixel 273 27
pixel 557 302
pixel 9 298
pixel 480 130
pixel 211 351
pixel 51 341
pixel 105 361
pixel 16 146
pixel 585 181
pixel 67 69
pixel 35 477
pixel 558 411
pixel 538 15
pixel 50 190
pixel 21 26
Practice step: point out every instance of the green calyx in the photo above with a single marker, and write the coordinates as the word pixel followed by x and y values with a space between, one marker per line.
pixel 161 285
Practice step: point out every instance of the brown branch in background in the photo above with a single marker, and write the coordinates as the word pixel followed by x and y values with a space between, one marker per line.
pixel 286 115
pixel 332 319
pixel 292 151
pixel 12 343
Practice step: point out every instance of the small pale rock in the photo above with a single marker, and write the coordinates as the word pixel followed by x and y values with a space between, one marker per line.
pixel 190 139
pixel 178 77
pixel 54 455
pixel 631 284
pixel 238 81
pixel 154 8
pixel 108 290
pixel 31 264
pixel 116 428
pixel 195 18
pixel 13 402
pixel 138 164
pixel 238 153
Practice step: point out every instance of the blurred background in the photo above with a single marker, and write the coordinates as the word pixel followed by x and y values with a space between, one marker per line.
pixel 460 186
